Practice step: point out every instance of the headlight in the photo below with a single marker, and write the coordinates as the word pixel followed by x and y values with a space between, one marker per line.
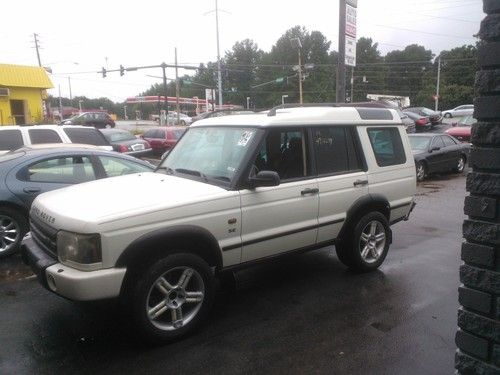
pixel 79 248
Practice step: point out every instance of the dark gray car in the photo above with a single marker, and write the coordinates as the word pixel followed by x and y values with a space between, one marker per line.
pixel 28 172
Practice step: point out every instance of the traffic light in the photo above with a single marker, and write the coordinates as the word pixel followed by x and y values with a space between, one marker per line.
pixel 103 72
pixel 122 70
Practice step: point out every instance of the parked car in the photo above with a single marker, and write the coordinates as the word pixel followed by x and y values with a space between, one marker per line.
pixel 422 123
pixel 222 112
pixel 234 191
pixel 163 138
pixel 100 120
pixel 30 171
pixel 461 130
pixel 125 142
pixel 461 110
pixel 172 118
pixel 437 153
pixel 434 117
pixel 12 137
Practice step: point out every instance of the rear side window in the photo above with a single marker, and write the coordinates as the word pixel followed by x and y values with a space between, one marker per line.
pixel 176 133
pixel 387 146
pixel 10 139
pixel 448 141
pixel 86 136
pixel 150 133
pixel 334 150
pixel 38 136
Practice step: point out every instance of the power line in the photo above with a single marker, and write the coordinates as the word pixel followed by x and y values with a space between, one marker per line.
pixel 424 32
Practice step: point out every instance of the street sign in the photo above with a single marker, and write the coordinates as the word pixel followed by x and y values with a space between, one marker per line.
pixel 350 50
pixel 350 20
pixel 209 94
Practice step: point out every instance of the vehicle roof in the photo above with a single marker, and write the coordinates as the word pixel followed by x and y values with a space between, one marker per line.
pixel 167 127
pixel 44 126
pixel 52 146
pixel 300 116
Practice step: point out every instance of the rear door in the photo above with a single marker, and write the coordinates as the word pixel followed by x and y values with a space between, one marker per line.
pixel 451 151
pixel 342 177
pixel 281 218
pixel 437 159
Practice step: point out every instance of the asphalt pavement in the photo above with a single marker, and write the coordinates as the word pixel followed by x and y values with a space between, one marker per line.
pixel 305 314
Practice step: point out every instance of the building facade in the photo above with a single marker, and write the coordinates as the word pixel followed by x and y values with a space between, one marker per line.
pixel 23 90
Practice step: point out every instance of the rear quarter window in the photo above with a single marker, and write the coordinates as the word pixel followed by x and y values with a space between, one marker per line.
pixel 387 146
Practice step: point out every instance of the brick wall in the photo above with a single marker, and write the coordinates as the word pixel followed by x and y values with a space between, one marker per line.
pixel 478 336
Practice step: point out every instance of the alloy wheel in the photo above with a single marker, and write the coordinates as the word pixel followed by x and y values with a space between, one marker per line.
pixel 372 241
pixel 175 298
pixel 460 164
pixel 9 233
pixel 420 172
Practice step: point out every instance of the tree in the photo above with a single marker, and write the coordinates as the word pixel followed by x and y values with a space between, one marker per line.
pixel 369 73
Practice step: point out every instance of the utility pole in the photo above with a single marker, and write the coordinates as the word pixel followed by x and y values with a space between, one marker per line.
pixel 340 85
pixel 177 106
pixel 164 67
pixel 352 84
pixel 219 75
pixel 60 104
pixel 35 35
pixel 436 104
pixel 70 93
pixel 300 75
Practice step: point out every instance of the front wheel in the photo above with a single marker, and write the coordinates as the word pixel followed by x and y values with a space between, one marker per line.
pixel 172 297
pixel 421 171
pixel 13 226
pixel 365 246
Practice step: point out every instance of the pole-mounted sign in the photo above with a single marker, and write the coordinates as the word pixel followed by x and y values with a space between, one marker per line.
pixel 350 32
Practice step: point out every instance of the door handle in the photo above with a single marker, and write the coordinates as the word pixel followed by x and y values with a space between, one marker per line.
pixel 360 182
pixel 31 190
pixel 309 191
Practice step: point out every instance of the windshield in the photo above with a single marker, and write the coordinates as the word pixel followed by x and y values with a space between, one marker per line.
pixel 121 136
pixel 467 121
pixel 419 143
pixel 427 111
pixel 210 152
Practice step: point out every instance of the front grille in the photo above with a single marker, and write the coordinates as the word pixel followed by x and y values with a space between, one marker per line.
pixel 44 236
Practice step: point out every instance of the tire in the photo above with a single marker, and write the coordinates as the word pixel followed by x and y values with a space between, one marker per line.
pixel 460 165
pixel 447 115
pixel 183 123
pixel 365 246
pixel 13 227
pixel 163 305
pixel 421 171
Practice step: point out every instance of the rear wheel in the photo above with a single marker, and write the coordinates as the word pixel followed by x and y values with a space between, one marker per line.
pixel 421 171
pixel 460 164
pixel 447 115
pixel 365 246
pixel 13 226
pixel 171 298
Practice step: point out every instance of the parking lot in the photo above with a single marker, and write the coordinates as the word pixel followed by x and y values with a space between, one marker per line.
pixel 307 314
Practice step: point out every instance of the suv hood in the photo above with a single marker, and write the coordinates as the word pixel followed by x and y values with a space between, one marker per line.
pixel 115 198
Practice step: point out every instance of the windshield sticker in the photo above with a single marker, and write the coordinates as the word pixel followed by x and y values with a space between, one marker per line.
pixel 245 137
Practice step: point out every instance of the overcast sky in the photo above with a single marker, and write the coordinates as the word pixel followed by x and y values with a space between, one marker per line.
pixel 87 35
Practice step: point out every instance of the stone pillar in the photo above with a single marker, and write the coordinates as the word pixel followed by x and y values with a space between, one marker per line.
pixel 478 336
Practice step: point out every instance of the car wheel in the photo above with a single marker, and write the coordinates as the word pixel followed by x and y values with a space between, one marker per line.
pixel 447 115
pixel 13 226
pixel 365 246
pixel 421 171
pixel 172 297
pixel 183 123
pixel 460 165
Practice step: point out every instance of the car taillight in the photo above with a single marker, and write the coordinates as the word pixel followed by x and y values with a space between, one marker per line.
pixel 123 148
pixel 421 121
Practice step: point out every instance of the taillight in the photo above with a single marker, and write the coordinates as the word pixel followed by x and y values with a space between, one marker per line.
pixel 123 148
pixel 421 121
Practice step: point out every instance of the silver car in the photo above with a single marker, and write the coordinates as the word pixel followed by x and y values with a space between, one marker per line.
pixel 461 110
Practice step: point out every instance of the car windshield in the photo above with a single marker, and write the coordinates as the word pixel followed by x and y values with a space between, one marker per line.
pixel 210 152
pixel 467 121
pixel 427 111
pixel 419 143
pixel 119 136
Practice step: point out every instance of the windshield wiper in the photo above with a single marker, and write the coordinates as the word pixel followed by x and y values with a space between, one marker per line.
pixel 168 170
pixel 191 172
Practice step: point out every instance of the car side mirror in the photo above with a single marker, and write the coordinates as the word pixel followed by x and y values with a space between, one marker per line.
pixel 264 178
pixel 435 148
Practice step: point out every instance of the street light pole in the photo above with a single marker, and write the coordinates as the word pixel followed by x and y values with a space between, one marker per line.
pixel 219 75
pixel 70 94
pixel 436 103
pixel 300 76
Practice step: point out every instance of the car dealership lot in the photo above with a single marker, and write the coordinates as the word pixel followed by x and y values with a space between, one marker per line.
pixel 306 314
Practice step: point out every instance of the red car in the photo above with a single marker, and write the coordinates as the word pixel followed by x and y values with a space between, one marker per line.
pixel 461 130
pixel 163 138
pixel 422 123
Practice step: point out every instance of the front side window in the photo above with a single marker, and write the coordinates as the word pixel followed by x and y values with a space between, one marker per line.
pixel 38 136
pixel 10 139
pixel 64 170
pixel 437 142
pixel 283 152
pixel 119 167
pixel 210 152
pixel 448 141
pixel 387 146
pixel 334 150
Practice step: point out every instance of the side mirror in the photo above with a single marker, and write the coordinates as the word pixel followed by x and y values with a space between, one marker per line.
pixel 264 178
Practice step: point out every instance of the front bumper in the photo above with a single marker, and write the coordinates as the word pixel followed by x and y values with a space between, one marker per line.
pixel 67 281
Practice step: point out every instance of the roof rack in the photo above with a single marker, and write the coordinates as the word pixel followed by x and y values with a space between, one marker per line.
pixel 366 110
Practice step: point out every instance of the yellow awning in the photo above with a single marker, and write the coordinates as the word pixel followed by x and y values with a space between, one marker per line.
pixel 24 76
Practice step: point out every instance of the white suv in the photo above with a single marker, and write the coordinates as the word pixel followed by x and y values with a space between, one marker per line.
pixel 12 137
pixel 234 191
